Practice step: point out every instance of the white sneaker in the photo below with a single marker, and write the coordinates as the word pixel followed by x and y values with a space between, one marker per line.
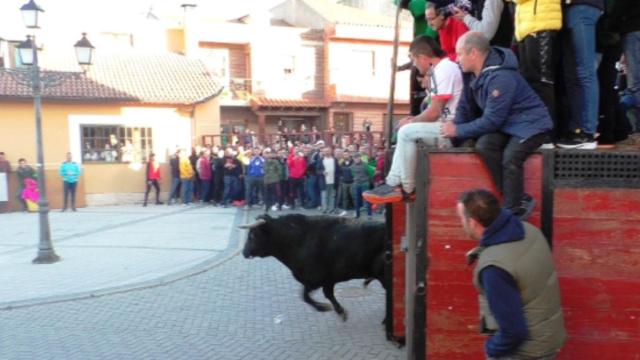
pixel 547 146
pixel 274 208
pixel 286 207
pixel 342 213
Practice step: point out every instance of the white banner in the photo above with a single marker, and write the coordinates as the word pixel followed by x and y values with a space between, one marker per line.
pixel 4 187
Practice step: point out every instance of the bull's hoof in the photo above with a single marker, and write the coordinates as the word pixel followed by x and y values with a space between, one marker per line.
pixel 322 307
pixel 343 315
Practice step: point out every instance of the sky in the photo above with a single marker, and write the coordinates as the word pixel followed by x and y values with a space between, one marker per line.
pixel 75 16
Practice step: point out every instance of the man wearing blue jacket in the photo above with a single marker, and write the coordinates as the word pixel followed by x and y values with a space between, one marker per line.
pixel 70 172
pixel 516 278
pixel 254 181
pixel 501 111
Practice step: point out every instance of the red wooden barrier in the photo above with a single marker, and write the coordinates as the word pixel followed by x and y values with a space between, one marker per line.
pixel 596 232
pixel 398 227
pixel 595 246
pixel 452 308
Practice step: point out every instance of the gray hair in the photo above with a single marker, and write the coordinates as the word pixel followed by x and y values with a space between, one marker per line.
pixel 474 40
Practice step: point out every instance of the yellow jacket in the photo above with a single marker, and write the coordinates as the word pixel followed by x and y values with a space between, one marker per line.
pixel 537 15
pixel 186 170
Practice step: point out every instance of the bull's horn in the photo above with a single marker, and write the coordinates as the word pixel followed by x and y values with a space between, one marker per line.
pixel 251 226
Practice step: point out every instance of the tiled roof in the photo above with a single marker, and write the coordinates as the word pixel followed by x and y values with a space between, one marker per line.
pixel 258 102
pixel 130 77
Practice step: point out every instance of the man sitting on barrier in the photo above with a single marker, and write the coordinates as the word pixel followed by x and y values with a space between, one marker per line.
pixel 444 88
pixel 517 281
pixel 501 111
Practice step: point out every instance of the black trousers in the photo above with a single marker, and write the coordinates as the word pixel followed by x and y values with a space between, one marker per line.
pixel 70 191
pixel 505 156
pixel 296 190
pixel 537 59
pixel 155 184
pixel 271 195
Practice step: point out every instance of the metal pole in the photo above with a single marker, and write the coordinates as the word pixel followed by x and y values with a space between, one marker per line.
pixel 46 254
pixel 392 87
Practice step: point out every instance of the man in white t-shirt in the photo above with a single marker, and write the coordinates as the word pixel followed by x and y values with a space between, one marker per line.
pixel 444 91
pixel 328 170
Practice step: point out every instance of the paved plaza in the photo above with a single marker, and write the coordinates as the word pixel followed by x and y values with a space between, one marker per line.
pixel 167 282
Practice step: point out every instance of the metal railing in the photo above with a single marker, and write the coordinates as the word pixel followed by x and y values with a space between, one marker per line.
pixel 337 139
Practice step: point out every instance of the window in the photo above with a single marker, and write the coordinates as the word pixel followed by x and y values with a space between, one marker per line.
pixel 217 61
pixel 116 143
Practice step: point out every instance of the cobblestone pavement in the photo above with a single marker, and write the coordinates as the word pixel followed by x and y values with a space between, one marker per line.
pixel 238 309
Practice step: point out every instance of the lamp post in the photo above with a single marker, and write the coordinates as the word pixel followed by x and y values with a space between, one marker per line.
pixel 37 79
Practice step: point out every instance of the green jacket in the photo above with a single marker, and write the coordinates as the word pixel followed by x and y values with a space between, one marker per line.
pixel 420 25
pixel 272 171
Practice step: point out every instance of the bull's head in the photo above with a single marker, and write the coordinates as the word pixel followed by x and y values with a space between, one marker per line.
pixel 257 240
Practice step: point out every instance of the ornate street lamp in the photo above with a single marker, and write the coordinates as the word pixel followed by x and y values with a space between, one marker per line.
pixel 84 51
pixel 30 14
pixel 35 78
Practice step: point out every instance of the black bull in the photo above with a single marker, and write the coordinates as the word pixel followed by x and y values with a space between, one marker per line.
pixel 320 251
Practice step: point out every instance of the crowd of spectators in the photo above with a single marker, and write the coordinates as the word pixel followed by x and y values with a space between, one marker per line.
pixel 292 174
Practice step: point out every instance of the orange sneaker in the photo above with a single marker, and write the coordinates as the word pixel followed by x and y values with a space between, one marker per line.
pixel 386 194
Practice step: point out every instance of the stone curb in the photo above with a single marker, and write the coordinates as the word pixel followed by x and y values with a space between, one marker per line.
pixel 231 251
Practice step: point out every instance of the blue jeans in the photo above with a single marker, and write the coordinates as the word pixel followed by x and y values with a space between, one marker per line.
pixel 313 192
pixel 173 194
pixel 631 48
pixel 328 196
pixel 70 192
pixel 187 191
pixel 580 66
pixel 358 189
pixel 205 185
pixel 230 188
pixel 253 189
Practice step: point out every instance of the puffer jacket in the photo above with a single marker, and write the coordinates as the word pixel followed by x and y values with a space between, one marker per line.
pixel 536 15
pixel 506 101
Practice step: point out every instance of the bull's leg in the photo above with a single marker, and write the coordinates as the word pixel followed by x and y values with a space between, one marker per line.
pixel 316 305
pixel 328 293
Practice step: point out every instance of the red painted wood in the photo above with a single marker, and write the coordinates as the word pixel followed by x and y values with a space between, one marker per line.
pixel 596 237
pixel 452 308
pixel 398 276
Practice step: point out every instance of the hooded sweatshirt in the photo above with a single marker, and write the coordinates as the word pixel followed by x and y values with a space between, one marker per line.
pixel 501 288
pixel 506 101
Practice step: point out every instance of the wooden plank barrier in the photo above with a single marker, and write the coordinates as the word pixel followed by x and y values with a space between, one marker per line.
pixel 593 214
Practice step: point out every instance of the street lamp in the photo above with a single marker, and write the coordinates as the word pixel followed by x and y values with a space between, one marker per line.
pixel 37 79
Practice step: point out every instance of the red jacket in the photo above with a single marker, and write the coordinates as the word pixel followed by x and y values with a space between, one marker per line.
pixel 153 171
pixel 452 30
pixel 297 165
pixel 204 168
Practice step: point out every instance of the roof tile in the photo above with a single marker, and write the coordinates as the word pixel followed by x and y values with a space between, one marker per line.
pixel 129 77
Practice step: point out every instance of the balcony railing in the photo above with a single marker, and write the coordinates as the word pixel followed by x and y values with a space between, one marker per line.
pixel 337 139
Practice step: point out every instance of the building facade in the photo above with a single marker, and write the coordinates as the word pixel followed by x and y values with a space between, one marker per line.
pixel 126 106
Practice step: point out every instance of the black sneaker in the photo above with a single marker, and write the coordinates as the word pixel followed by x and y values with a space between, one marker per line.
pixel 578 140
pixel 525 208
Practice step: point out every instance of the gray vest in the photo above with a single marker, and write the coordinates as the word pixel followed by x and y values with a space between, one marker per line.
pixel 530 263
